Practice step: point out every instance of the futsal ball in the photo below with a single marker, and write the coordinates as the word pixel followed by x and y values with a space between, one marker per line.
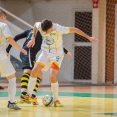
pixel 47 100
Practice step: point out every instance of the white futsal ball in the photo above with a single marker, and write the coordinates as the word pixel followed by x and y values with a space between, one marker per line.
pixel 47 100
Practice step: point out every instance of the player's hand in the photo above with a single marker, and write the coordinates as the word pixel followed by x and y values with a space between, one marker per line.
pixel 31 43
pixel 24 51
pixel 8 54
pixel 69 54
pixel 93 39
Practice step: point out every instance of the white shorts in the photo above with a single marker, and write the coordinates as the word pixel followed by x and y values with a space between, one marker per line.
pixel 6 68
pixel 46 59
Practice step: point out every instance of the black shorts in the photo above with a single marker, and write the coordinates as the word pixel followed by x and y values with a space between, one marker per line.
pixel 28 60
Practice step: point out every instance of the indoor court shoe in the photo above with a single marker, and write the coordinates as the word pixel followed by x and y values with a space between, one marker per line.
pixel 22 101
pixel 27 99
pixel 24 98
pixel 13 106
pixel 57 103
pixel 35 101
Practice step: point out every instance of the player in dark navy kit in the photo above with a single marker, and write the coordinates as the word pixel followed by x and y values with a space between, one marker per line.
pixel 28 62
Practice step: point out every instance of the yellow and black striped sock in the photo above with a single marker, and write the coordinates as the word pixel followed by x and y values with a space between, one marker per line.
pixel 24 82
pixel 36 86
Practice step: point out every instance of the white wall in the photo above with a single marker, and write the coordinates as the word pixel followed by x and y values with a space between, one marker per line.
pixel 20 8
pixel 59 11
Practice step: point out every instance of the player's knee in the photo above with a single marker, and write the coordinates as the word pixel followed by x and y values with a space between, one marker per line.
pixel 10 76
pixel 53 77
pixel 34 73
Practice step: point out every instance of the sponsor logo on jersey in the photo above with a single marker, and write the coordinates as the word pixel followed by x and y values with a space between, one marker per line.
pixel 48 40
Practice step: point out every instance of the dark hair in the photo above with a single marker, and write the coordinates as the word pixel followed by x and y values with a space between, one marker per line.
pixel 2 13
pixel 46 24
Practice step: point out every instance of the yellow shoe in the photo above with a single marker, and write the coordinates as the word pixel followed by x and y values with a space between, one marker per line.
pixel 57 103
pixel 28 98
pixel 35 101
pixel 25 97
pixel 22 101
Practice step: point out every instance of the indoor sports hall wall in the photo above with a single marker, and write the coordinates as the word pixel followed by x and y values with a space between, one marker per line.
pixel 59 11
pixel 63 12
pixel 20 8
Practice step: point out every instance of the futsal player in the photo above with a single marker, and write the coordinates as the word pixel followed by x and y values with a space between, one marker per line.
pixel 6 67
pixel 52 53
pixel 28 63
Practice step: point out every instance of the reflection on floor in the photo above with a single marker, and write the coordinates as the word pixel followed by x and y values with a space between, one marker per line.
pixel 97 101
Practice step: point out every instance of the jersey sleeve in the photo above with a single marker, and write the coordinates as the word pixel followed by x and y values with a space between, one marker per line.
pixel 21 35
pixel 7 33
pixel 62 29
pixel 38 25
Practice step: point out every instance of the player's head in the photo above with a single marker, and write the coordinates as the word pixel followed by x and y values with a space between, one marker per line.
pixel 2 16
pixel 46 26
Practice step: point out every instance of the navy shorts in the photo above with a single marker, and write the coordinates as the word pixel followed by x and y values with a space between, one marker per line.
pixel 28 60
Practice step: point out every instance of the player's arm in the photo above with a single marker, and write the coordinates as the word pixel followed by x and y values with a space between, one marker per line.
pixel 31 43
pixel 67 52
pixel 11 41
pixel 39 38
pixel 34 32
pixel 16 38
pixel 79 32
pixel 14 44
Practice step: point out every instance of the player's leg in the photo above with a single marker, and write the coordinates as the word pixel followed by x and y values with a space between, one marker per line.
pixel 24 84
pixel 27 67
pixel 47 65
pixel 36 71
pixel 45 68
pixel 32 82
pixel 38 81
pixel 54 80
pixel 24 81
pixel 12 92
pixel 36 86
pixel 55 85
pixel 8 71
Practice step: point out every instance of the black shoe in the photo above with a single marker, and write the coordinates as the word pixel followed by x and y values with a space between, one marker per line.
pixel 1 88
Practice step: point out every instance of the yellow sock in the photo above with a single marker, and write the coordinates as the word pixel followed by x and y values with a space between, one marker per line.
pixel 36 86
pixel 24 82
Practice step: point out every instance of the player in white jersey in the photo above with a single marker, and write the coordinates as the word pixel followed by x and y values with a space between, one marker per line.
pixel 52 53
pixel 6 68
